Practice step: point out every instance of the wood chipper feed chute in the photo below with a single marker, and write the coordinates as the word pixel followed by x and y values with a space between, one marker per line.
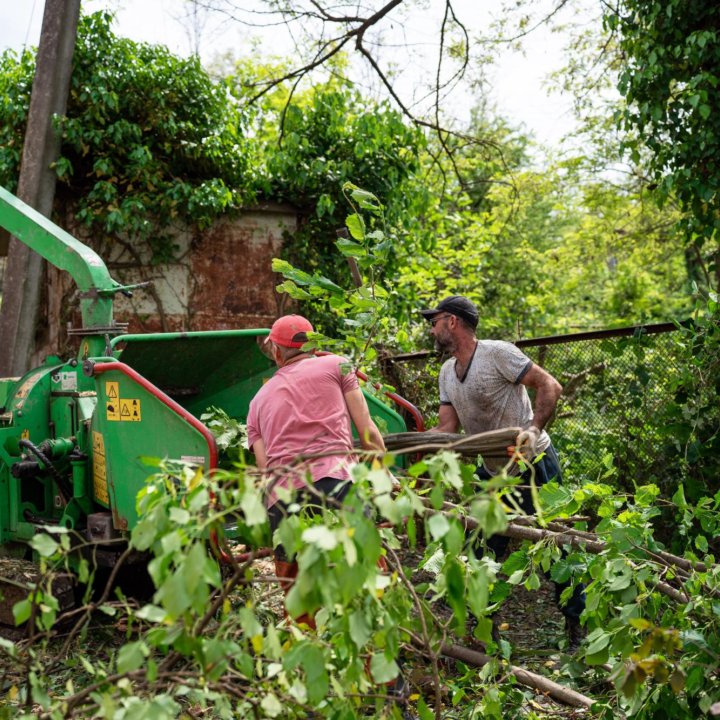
pixel 200 370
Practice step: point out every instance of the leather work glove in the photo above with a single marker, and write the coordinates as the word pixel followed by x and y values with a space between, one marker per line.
pixel 526 442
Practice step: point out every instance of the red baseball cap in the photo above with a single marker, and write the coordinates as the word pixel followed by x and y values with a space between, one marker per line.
pixel 290 331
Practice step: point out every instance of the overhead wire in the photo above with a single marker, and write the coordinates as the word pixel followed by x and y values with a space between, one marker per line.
pixel 29 25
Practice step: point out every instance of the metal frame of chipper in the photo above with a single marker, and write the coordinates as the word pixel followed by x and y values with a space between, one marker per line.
pixel 73 434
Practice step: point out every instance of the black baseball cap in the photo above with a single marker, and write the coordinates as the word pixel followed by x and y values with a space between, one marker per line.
pixel 455 305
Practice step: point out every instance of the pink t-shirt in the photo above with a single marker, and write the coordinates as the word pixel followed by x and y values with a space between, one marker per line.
pixel 301 410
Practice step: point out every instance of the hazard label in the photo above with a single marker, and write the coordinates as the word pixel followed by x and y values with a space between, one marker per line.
pixel 130 410
pixel 99 469
pixel 113 410
pixel 119 409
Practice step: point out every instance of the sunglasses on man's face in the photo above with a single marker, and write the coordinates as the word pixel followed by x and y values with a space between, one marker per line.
pixel 436 320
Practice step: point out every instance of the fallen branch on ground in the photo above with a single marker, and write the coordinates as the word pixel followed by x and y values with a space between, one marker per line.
pixel 522 532
pixel 558 692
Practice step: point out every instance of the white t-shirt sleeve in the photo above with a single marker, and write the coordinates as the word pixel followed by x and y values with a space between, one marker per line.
pixel 511 362
pixel 443 383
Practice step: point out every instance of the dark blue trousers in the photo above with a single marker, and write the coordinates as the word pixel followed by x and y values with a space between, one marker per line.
pixel 546 469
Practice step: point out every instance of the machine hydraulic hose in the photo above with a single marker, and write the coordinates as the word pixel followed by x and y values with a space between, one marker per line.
pixel 41 452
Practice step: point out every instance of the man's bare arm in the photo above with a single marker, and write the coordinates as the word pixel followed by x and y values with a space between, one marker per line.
pixel 370 437
pixel 260 453
pixel 547 391
pixel 448 420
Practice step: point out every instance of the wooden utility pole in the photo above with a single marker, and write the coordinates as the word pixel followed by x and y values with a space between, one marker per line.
pixel 22 286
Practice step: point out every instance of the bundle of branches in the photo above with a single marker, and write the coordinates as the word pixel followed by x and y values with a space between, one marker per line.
pixel 491 444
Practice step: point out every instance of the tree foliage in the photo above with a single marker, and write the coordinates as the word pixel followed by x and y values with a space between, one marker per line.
pixel 148 140
pixel 333 137
pixel 220 645
pixel 670 82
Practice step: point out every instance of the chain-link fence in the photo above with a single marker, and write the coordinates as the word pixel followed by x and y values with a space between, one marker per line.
pixel 614 383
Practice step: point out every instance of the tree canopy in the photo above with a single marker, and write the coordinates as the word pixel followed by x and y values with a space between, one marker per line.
pixel 670 82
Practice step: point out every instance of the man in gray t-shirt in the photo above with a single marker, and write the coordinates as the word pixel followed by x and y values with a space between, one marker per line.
pixel 490 394
pixel 483 386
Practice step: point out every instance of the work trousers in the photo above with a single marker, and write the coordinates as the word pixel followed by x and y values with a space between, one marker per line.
pixel 546 469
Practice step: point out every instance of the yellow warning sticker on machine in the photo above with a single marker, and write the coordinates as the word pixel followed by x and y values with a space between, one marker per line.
pixel 99 469
pixel 113 410
pixel 119 409
pixel 130 410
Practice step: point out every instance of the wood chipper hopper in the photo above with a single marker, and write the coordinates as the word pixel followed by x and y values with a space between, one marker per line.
pixel 75 435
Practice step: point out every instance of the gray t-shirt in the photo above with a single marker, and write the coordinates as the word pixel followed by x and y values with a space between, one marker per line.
pixel 490 396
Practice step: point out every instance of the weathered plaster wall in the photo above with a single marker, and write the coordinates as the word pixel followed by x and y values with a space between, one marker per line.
pixel 220 279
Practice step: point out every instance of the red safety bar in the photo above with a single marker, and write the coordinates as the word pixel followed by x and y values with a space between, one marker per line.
pixel 100 368
pixel 400 401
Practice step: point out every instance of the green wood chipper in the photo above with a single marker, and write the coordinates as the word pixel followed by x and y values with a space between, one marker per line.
pixel 74 433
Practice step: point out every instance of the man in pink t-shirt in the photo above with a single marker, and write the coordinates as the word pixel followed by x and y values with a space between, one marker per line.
pixel 305 411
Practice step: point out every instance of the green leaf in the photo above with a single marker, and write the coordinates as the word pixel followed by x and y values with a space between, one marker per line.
pixel 350 249
pixel 424 711
pixel 271 706
pixel 21 611
pixel 598 658
pixel 483 629
pixel 438 526
pixel 316 677
pixel 356 226
pixel 596 641
pixel 144 533
pixel 151 613
pixel 455 583
pixel 290 288
pixel 646 495
pixel 365 199
pixel 253 507
pixel 478 588
pixel 179 515
pixel 533 582
pixel 131 656
pixel 677 681
pixel 382 669
pixel 321 536
pixel 44 545
pixel 174 595
pixel 359 629
pixel 490 514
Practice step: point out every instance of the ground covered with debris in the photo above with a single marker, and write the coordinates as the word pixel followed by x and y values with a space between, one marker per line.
pixel 529 622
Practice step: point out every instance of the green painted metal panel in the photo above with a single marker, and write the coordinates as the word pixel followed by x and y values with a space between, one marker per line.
pixel 131 425
pixel 387 420
pixel 223 368
pixel 66 253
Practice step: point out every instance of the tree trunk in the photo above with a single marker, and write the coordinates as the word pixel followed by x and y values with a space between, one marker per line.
pixel 22 287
